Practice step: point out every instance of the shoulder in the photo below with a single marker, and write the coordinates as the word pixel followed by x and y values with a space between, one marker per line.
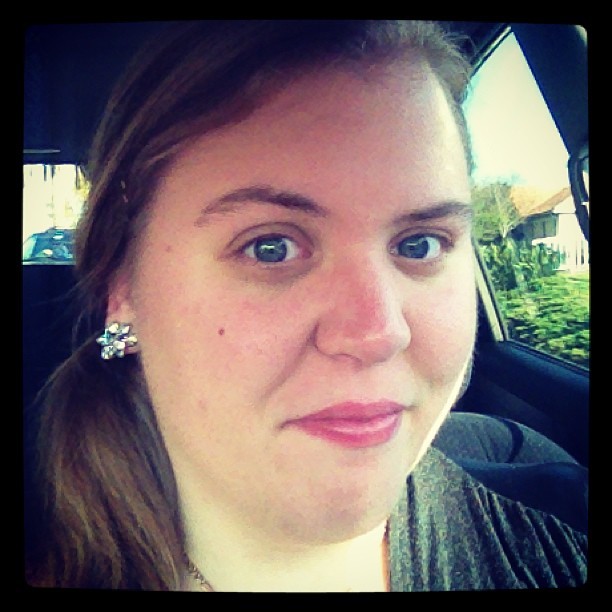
pixel 559 488
pixel 477 534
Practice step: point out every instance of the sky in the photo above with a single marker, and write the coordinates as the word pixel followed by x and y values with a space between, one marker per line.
pixel 513 135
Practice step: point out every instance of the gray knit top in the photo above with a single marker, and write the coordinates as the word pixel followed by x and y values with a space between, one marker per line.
pixel 450 532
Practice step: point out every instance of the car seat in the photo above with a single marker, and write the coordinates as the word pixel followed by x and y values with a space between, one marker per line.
pixel 519 463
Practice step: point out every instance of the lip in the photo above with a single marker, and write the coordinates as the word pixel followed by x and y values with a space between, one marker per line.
pixel 354 424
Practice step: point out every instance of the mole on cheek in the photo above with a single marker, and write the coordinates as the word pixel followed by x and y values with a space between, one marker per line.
pixel 221 331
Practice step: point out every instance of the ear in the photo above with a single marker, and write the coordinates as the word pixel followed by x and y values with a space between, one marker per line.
pixel 119 307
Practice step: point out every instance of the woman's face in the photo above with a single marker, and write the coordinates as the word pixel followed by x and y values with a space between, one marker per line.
pixel 314 257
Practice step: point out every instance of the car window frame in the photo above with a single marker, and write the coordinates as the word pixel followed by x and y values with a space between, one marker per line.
pixel 497 328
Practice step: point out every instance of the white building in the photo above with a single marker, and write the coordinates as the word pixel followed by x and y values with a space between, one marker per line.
pixel 552 221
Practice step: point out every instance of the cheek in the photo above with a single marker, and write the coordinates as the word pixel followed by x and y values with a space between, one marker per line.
pixel 248 326
pixel 249 343
pixel 212 328
pixel 443 327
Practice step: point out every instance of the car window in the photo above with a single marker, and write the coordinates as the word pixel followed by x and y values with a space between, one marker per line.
pixel 526 227
pixel 53 198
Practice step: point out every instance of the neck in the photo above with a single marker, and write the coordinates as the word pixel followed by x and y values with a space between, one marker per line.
pixel 243 562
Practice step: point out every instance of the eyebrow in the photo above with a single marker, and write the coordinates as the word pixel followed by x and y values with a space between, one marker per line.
pixel 439 210
pixel 265 194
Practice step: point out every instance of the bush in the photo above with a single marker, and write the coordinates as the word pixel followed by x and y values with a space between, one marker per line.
pixel 518 265
pixel 543 308
pixel 554 319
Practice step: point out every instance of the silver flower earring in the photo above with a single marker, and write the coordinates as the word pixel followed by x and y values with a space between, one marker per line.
pixel 116 340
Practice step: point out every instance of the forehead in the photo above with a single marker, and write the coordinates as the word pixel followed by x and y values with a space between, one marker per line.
pixel 352 93
pixel 390 124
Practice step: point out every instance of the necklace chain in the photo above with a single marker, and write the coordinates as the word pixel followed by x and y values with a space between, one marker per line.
pixel 197 575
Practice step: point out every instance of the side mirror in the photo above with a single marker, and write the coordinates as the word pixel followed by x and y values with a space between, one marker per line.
pixel 578 168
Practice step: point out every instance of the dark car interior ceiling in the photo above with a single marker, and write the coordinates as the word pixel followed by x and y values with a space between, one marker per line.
pixel 69 70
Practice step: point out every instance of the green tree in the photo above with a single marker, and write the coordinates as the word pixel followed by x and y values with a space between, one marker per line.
pixel 495 214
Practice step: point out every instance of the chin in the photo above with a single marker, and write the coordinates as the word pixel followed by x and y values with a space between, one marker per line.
pixel 343 510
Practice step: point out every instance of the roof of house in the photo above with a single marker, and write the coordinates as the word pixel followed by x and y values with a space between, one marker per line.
pixel 531 201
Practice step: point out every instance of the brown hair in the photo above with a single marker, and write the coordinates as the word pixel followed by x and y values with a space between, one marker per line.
pixel 114 519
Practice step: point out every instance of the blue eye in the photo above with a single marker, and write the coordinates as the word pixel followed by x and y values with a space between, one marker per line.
pixel 421 246
pixel 271 249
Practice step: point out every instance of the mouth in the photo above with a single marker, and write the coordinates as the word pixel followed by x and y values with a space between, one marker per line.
pixel 354 424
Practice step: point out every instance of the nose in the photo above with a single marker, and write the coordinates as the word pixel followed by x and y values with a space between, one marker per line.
pixel 364 319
